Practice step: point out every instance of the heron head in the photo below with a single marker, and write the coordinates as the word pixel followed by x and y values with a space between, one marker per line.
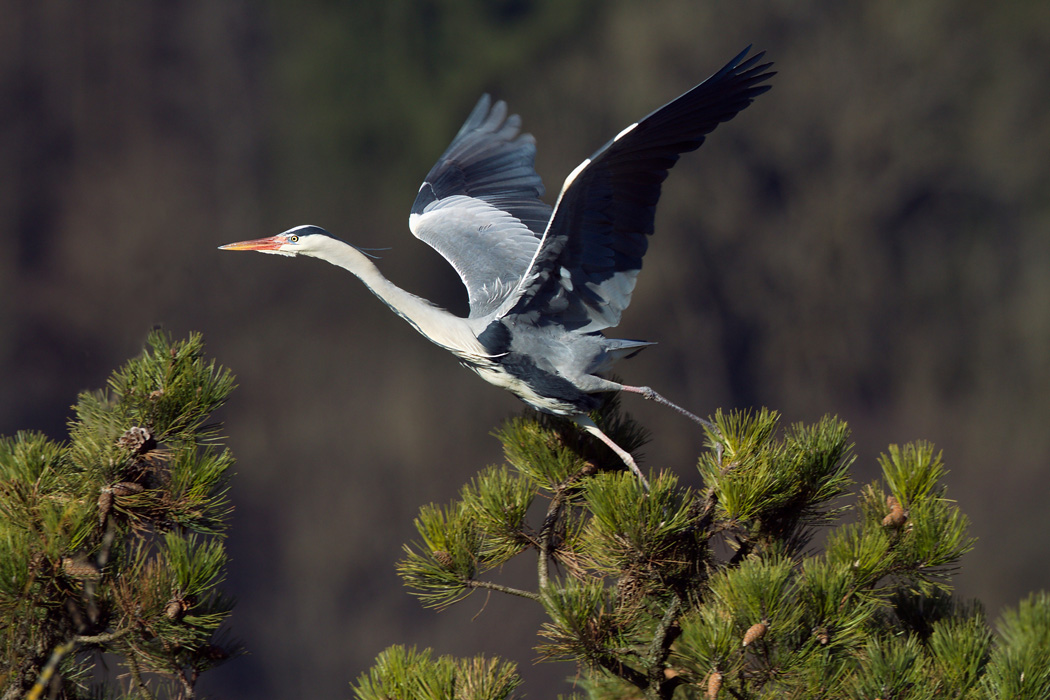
pixel 294 241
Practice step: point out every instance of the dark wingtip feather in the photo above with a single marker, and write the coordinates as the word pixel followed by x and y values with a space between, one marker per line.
pixel 599 232
pixel 748 69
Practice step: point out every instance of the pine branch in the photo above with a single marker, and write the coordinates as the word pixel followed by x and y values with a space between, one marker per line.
pixel 136 678
pixel 48 671
pixel 488 585
pixel 715 591
pixel 97 534
pixel 660 649
pixel 550 520
pixel 620 669
pixel 105 638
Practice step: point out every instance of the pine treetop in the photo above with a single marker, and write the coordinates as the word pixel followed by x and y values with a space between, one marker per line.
pixel 696 593
pixel 112 540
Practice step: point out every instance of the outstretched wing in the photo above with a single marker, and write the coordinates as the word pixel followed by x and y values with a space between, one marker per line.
pixel 480 206
pixel 585 269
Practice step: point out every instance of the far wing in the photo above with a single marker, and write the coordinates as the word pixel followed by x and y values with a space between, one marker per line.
pixel 585 269
pixel 480 205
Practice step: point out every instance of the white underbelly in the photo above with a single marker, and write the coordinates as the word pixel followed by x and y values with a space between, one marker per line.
pixel 495 374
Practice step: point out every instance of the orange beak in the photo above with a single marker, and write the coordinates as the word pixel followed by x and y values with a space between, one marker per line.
pixel 262 244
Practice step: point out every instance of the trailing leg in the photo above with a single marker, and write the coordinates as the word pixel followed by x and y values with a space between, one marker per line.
pixel 587 424
pixel 648 393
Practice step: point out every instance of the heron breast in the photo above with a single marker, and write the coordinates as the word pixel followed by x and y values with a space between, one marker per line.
pixel 540 389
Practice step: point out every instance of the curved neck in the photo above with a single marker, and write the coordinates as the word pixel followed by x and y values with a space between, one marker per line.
pixel 433 322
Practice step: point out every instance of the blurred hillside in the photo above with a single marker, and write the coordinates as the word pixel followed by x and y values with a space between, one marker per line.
pixel 868 239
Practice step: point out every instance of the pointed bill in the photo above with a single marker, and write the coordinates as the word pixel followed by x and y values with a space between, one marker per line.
pixel 268 244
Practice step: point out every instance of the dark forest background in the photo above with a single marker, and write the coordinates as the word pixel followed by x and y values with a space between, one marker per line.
pixel 869 239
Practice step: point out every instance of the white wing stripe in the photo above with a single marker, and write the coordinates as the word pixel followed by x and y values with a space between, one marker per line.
pixel 625 131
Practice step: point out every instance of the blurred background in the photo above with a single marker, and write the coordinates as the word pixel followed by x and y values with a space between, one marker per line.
pixel 869 239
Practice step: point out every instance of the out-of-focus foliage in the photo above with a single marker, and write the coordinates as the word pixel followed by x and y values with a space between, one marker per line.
pixel 111 543
pixel 870 239
pixel 401 92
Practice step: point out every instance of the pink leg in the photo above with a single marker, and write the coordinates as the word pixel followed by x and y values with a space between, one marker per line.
pixel 648 393
pixel 587 424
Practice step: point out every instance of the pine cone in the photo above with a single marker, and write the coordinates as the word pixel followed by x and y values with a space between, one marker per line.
pixel 443 558
pixel 105 503
pixel 137 439
pixel 126 488
pixel 714 684
pixel 755 632
pixel 175 609
pixel 629 589
pixel 80 568
pixel 896 517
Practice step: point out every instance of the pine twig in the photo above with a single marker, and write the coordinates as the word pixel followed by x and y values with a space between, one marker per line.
pixel 621 670
pixel 554 511
pixel 660 648
pixel 136 678
pixel 489 585
pixel 101 638
pixel 665 634
pixel 546 530
pixel 48 671
pixel 60 652
pixel 191 694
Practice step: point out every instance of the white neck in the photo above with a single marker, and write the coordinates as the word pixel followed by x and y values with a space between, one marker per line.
pixel 433 322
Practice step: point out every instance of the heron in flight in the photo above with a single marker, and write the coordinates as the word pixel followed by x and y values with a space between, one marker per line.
pixel 542 282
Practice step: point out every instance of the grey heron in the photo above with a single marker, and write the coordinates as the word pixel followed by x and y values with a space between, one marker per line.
pixel 542 282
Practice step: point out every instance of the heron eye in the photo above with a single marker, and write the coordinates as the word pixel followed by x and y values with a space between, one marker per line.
pixel 293 239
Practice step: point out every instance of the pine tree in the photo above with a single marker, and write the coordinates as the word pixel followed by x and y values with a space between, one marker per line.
pixel 111 542
pixel 719 592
